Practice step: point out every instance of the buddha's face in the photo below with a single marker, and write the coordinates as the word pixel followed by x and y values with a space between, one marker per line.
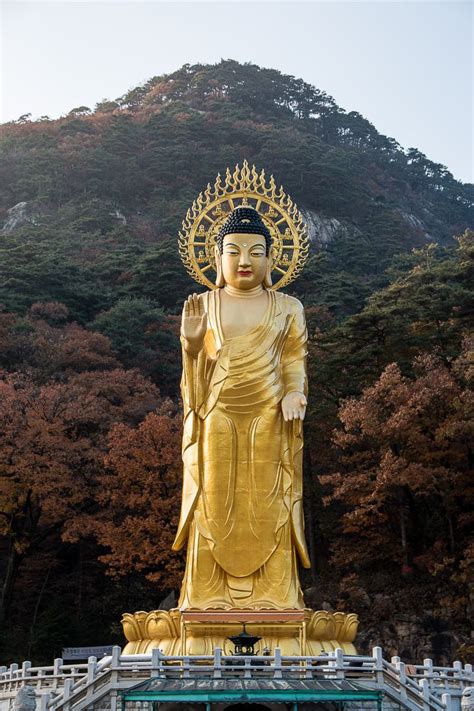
pixel 244 260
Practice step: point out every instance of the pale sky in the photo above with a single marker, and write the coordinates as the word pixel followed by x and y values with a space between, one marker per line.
pixel 406 66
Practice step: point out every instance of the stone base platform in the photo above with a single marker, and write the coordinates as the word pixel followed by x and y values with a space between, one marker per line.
pixel 295 632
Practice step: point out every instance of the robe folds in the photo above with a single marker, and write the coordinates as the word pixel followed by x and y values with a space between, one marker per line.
pixel 241 513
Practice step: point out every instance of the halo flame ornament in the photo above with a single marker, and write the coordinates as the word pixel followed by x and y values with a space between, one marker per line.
pixel 244 187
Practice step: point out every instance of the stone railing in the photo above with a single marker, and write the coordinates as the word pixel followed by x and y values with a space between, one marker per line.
pixel 74 687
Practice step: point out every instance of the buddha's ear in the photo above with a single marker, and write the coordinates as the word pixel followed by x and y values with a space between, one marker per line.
pixel 267 281
pixel 219 276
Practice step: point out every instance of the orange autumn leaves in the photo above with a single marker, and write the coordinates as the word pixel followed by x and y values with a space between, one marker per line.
pixel 138 498
pixel 88 450
pixel 405 476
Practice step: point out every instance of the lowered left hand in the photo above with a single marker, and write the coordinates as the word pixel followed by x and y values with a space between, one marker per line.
pixel 293 405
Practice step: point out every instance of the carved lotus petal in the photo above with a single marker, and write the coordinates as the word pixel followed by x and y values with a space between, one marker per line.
pixel 133 625
pixel 339 621
pixel 159 625
pixel 321 626
pixel 349 628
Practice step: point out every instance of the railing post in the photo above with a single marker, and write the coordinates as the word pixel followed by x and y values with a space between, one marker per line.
pixel 331 663
pixel 115 668
pixel 217 673
pixel 428 668
pixel 247 668
pixel 91 674
pixel 425 691
pixel 378 664
pixel 25 669
pixel 113 699
pixel 67 687
pixel 44 701
pixel 57 669
pixel 339 663
pixel 447 701
pixel 277 673
pixel 67 691
pixel 468 671
pixel 395 661
pixel 39 678
pixel 13 671
pixel 186 671
pixel 402 675
pixel 444 680
pixel 156 663
pixel 457 667
pixel 116 652
pixel 91 669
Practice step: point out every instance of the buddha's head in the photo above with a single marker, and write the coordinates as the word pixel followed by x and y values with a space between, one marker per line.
pixel 243 250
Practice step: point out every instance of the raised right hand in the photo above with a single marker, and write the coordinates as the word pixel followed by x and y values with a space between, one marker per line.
pixel 194 322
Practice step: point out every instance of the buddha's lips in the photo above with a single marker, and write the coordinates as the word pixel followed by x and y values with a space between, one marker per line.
pixel 244 273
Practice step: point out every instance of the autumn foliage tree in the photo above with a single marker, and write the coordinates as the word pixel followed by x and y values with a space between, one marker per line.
pixel 47 346
pixel 405 479
pixel 61 391
pixel 138 499
pixel 53 441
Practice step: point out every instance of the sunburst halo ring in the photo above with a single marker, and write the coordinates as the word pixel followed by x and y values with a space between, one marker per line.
pixel 245 186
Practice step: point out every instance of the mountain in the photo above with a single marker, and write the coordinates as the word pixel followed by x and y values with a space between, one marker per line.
pixel 98 196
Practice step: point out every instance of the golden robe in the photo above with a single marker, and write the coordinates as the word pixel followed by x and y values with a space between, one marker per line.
pixel 241 514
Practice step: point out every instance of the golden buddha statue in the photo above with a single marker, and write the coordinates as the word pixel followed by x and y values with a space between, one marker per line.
pixel 244 390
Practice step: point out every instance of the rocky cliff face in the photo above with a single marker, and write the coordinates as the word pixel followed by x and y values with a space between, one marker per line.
pixel 393 621
pixel 19 215
pixel 323 230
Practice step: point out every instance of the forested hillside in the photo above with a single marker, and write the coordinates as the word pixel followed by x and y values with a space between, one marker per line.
pixel 90 290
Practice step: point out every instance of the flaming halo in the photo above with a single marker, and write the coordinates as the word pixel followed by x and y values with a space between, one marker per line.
pixel 244 187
